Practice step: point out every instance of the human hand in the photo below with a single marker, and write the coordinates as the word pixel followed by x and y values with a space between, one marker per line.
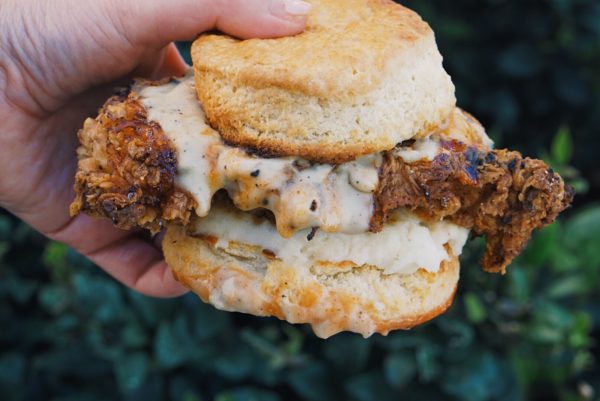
pixel 59 60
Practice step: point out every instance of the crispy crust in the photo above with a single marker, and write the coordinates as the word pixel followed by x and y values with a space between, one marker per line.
pixel 363 76
pixel 497 193
pixel 330 297
pixel 127 168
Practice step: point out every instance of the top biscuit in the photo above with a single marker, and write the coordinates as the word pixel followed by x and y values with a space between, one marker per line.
pixel 362 77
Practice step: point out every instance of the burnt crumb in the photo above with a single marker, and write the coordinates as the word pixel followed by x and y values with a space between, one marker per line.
pixel 453 145
pixel 512 165
pixel 301 164
pixel 490 157
pixel 108 207
pixel 123 91
pixel 312 233
pixel 472 156
pixel 255 173
pixel 406 143
pixel 471 172
pixel 131 192
pixel 269 253
pixel 175 80
pixel 251 151
pixel 265 202
pixel 313 205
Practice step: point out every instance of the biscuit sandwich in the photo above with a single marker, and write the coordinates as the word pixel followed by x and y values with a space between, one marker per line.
pixel 326 178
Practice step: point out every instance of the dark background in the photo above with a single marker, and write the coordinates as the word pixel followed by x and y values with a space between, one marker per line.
pixel 530 71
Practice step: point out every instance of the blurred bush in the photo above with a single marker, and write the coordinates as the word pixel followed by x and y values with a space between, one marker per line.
pixel 530 72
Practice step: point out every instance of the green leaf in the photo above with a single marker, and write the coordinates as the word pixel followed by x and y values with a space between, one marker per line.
pixel 459 332
pixel 569 286
pixel 55 299
pixel 172 345
pixel 295 340
pixel 55 257
pixel 152 310
pixel 519 285
pixel 474 307
pixel 427 362
pixel 520 60
pixel 348 352
pixel 207 321
pixel 184 388
pixel 399 369
pixel 265 347
pixel 133 334
pixel 579 335
pixel 565 261
pixel 6 227
pixel 247 394
pixel 369 386
pixel 4 248
pixel 313 382
pixel 581 235
pixel 235 364
pixel 98 296
pixel 562 145
pixel 580 185
pixel 131 371
pixel 20 290
pixel 480 378
pixel 12 369
pixel 543 245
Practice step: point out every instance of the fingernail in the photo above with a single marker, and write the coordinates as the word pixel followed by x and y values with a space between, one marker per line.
pixel 289 8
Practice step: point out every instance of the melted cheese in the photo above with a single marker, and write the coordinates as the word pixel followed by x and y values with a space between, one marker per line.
pixel 404 245
pixel 334 198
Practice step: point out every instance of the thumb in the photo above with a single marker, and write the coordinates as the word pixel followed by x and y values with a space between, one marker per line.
pixel 164 21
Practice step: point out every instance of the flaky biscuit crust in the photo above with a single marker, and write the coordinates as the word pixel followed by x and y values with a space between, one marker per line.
pixel 363 76
pixel 330 297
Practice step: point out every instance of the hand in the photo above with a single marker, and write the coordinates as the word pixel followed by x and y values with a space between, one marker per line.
pixel 59 60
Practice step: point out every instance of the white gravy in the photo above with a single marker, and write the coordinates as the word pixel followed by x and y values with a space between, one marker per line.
pixel 300 194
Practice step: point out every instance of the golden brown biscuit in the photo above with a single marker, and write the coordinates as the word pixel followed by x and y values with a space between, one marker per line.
pixel 363 76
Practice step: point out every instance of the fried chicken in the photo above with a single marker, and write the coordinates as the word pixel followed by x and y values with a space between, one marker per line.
pixel 127 170
pixel 496 193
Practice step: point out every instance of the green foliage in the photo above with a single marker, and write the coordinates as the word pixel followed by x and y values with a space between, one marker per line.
pixel 528 70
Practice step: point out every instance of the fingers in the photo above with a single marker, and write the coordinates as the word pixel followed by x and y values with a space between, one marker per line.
pixel 165 21
pixel 164 63
pixel 122 254
pixel 137 264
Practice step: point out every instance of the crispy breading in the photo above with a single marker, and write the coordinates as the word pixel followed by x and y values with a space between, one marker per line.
pixel 127 169
pixel 496 193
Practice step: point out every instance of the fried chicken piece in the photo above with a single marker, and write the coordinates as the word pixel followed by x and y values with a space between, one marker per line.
pixel 127 169
pixel 496 193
